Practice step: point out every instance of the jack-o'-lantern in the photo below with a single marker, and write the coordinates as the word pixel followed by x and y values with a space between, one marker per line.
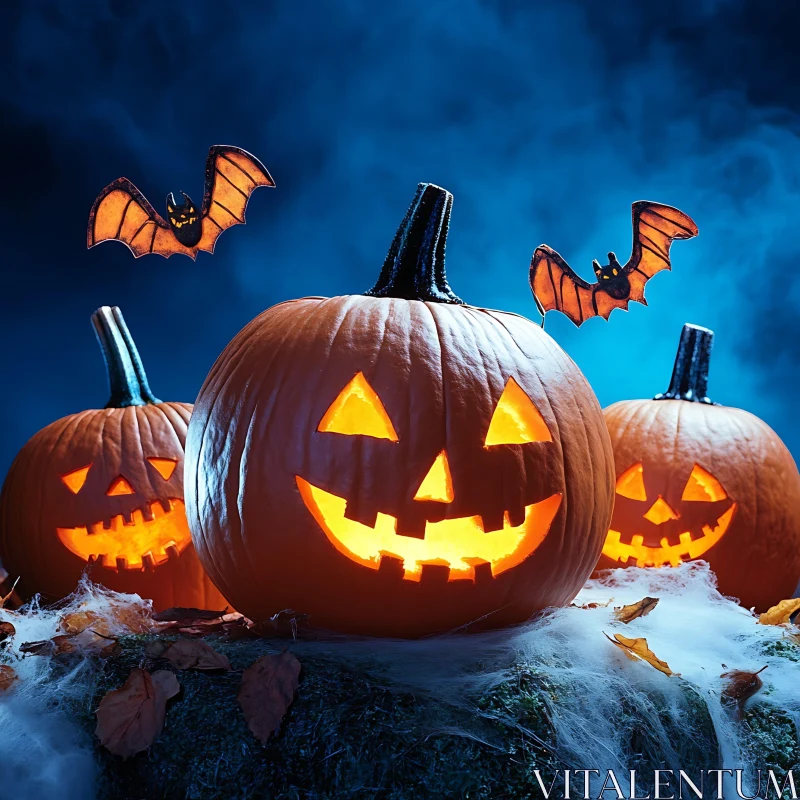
pixel 104 488
pixel 398 463
pixel 697 480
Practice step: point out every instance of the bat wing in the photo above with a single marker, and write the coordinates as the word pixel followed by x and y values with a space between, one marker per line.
pixel 655 226
pixel 122 213
pixel 556 286
pixel 232 174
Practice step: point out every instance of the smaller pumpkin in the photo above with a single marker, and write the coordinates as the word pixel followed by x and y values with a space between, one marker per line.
pixel 699 480
pixel 105 488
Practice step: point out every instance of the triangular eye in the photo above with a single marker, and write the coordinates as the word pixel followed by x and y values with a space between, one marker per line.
pixel 516 420
pixel 119 486
pixel 358 411
pixel 164 466
pixel 631 483
pixel 74 480
pixel 703 486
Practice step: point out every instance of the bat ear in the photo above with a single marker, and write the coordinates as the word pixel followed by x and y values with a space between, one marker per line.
pixel 186 199
pixel 171 202
pixel 596 266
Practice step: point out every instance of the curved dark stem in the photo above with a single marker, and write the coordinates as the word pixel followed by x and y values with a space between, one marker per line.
pixel 690 373
pixel 126 376
pixel 414 268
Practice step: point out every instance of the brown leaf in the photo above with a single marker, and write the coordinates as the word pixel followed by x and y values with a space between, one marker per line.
pixel 741 686
pixel 629 613
pixel 195 654
pixel 7 677
pixel 7 630
pixel 637 649
pixel 780 614
pixel 268 689
pixel 186 615
pixel 587 606
pixel 12 598
pixel 129 719
pixel 156 648
pixel 79 621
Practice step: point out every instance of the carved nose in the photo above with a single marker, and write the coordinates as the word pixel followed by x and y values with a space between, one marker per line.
pixel 437 485
pixel 119 486
pixel 660 511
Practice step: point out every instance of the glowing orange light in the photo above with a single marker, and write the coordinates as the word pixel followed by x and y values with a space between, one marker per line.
pixel 358 411
pixel 461 544
pixel 74 480
pixel 516 420
pixel 437 485
pixel 126 545
pixel 119 486
pixel 164 466
pixel 703 486
pixel 672 554
pixel 631 483
pixel 660 512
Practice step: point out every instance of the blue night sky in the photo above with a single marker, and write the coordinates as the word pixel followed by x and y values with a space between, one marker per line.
pixel 545 119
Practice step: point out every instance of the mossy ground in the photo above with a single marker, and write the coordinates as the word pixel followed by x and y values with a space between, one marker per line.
pixel 352 733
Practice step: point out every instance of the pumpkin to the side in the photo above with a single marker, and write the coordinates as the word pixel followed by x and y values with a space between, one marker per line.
pixel 697 480
pixel 398 463
pixel 103 490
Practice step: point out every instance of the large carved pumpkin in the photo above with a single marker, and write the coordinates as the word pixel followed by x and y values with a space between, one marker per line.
pixel 398 463
pixel 700 480
pixel 105 488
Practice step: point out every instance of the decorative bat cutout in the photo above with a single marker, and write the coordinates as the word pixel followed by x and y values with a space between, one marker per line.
pixel 121 211
pixel 556 286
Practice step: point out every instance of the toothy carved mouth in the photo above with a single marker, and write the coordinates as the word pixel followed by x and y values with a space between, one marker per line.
pixel 460 544
pixel 672 554
pixel 138 543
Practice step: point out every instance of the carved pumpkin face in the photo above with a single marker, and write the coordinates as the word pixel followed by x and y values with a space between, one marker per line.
pixel 696 480
pixel 397 464
pixel 669 528
pixel 104 488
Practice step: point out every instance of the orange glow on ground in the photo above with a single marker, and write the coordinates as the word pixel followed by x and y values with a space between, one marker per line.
pixel 461 544
pixel 631 483
pixel 74 480
pixel 126 546
pixel 672 554
pixel 358 411
pixel 437 485
pixel 516 420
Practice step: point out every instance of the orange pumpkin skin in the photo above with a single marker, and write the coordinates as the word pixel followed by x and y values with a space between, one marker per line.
pixel 757 555
pixel 56 516
pixel 257 442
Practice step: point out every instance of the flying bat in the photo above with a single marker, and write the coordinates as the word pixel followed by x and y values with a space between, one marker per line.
pixel 122 213
pixel 556 286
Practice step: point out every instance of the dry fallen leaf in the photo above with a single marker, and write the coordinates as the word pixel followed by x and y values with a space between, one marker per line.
pixel 593 605
pixel 741 686
pixel 267 690
pixel 11 596
pixel 7 677
pixel 637 649
pixel 7 630
pixel 781 613
pixel 129 719
pixel 629 613
pixel 195 654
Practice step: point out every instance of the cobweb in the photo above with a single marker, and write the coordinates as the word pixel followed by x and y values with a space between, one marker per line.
pixel 606 711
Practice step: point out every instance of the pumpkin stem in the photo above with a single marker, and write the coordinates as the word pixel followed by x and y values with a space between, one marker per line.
pixel 414 267
pixel 126 376
pixel 690 373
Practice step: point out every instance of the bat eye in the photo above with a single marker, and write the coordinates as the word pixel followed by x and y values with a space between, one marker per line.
pixel 605 277
pixel 615 270
pixel 170 209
